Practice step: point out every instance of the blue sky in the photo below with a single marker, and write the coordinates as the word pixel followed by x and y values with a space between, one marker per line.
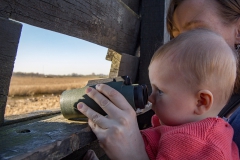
pixel 48 52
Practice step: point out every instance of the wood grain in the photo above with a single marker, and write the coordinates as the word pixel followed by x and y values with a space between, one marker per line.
pixel 107 23
pixel 10 33
pixel 153 35
pixel 51 137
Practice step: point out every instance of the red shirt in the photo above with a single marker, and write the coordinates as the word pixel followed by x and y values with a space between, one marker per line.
pixel 210 139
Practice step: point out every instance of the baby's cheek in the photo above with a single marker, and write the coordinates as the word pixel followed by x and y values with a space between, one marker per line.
pixel 159 114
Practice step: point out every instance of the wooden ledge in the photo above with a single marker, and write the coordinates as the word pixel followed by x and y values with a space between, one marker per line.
pixel 29 116
pixel 51 137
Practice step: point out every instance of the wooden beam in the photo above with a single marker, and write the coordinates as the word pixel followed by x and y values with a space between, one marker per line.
pixel 29 116
pixel 51 137
pixel 99 81
pixel 9 37
pixel 116 59
pixel 133 4
pixel 79 154
pixel 128 66
pixel 107 23
pixel 110 54
pixel 123 64
pixel 153 34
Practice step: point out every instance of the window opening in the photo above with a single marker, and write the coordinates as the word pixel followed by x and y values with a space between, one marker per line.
pixel 47 63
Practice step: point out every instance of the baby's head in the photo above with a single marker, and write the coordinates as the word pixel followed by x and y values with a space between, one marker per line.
pixel 192 77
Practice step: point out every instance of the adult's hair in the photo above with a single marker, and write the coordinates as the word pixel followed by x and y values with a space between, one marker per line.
pixel 228 10
pixel 203 59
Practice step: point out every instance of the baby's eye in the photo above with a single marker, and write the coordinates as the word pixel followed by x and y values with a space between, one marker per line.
pixel 160 92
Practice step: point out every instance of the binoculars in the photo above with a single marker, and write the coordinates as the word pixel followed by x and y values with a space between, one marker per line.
pixel 136 95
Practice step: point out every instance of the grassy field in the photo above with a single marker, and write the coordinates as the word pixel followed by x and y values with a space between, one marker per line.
pixel 28 94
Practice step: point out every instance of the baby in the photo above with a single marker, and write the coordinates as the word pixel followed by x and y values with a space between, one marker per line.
pixel 192 78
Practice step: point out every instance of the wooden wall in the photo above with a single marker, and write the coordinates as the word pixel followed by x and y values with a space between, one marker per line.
pixel 120 25
pixel 112 24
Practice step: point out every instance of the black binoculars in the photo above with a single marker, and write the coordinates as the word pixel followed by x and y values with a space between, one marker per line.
pixel 136 95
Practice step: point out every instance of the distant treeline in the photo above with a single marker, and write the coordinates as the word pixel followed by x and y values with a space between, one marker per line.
pixel 22 74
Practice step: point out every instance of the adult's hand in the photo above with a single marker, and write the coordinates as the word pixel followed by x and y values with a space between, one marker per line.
pixel 118 132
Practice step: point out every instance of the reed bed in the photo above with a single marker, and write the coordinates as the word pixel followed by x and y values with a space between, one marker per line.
pixel 30 94
pixel 30 86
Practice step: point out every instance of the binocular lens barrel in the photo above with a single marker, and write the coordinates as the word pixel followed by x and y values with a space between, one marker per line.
pixel 136 95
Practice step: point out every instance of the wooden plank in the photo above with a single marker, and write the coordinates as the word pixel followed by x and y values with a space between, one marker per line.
pixel 10 33
pixel 3 101
pixel 106 80
pixel 115 58
pixel 124 65
pixel 133 4
pixel 107 23
pixel 52 137
pixel 153 35
pixel 110 54
pixel 128 66
pixel 29 116
pixel 79 154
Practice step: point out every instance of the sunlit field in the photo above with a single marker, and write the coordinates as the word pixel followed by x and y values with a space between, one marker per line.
pixel 29 93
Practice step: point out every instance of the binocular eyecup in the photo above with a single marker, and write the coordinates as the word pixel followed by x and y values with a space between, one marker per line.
pixel 140 96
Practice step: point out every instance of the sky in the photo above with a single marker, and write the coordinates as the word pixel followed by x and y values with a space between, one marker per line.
pixel 47 52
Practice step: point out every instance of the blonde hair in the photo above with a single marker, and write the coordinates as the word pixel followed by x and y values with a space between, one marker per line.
pixel 228 10
pixel 204 59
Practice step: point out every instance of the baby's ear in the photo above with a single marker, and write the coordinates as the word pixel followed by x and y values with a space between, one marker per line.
pixel 204 103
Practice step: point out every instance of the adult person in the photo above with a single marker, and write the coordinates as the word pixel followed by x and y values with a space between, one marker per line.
pixel 220 16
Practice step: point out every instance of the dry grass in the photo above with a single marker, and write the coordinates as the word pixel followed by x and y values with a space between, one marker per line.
pixel 29 94
pixel 29 86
